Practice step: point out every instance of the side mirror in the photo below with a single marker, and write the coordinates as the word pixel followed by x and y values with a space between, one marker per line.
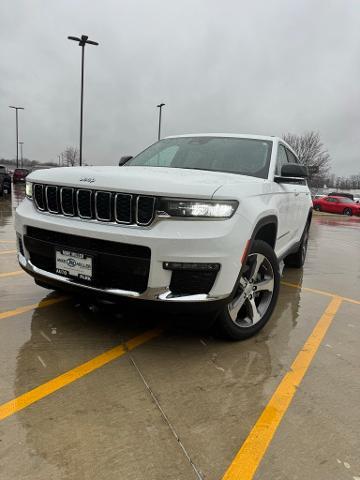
pixel 125 159
pixel 291 173
pixel 294 170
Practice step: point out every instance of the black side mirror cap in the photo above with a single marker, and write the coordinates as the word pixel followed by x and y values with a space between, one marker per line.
pixel 294 170
pixel 125 159
pixel 292 173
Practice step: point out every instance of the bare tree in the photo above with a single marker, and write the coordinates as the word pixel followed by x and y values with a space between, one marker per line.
pixel 312 153
pixel 70 156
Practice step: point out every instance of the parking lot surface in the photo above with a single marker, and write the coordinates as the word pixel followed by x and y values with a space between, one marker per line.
pixel 90 392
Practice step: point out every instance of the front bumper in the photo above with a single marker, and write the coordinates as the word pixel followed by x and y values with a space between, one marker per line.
pixel 161 293
pixel 169 240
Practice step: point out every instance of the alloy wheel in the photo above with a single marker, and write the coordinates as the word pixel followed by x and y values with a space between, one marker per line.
pixel 254 292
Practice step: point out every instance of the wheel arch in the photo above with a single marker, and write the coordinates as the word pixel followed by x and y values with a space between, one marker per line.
pixel 266 230
pixel 266 224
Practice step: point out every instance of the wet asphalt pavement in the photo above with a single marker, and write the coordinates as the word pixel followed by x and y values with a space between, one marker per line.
pixel 177 403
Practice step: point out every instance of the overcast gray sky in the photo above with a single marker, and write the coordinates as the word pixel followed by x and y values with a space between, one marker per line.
pixel 263 67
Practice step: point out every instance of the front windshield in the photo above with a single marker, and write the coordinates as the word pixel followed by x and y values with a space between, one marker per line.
pixel 220 154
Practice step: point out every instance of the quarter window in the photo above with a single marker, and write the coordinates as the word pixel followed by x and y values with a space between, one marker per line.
pixel 291 157
pixel 281 159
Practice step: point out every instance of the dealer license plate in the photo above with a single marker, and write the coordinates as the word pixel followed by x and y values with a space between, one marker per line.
pixel 74 264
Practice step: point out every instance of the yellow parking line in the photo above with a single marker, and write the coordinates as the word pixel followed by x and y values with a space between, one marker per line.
pixel 3 252
pixel 321 292
pixel 28 308
pixel 19 403
pixel 11 274
pixel 247 460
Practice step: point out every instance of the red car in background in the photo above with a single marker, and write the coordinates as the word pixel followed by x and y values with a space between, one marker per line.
pixel 333 204
pixel 20 174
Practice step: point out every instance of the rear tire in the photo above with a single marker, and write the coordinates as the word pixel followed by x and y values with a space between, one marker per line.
pixel 254 297
pixel 348 212
pixel 317 208
pixel 297 259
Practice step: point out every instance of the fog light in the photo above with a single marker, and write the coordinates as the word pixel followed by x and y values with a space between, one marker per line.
pixel 207 267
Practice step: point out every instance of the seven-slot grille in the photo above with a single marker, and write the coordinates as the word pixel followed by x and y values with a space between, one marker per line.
pixel 95 204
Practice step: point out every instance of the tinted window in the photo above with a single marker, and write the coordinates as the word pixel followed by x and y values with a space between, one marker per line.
pixel 281 159
pixel 222 154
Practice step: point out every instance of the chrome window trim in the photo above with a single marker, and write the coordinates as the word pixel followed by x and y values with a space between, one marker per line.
pixel 137 210
pixel 131 201
pixel 36 203
pixel 61 201
pixel 46 199
pixel 96 210
pixel 77 203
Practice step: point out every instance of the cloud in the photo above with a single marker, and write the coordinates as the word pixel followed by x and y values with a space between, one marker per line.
pixel 231 66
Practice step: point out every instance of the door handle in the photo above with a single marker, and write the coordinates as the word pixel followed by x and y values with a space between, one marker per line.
pixel 297 193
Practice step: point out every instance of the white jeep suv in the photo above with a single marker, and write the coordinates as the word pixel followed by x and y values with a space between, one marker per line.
pixel 197 220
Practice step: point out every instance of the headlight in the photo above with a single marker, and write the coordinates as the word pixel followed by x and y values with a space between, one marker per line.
pixel 198 208
pixel 28 189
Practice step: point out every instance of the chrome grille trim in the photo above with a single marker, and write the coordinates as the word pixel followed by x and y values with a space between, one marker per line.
pixel 128 210
pixel 101 192
pixel 47 198
pixel 145 224
pixel 117 220
pixel 77 203
pixel 36 187
pixel 61 201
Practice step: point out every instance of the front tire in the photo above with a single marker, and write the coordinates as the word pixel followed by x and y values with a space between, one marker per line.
pixel 254 297
pixel 317 208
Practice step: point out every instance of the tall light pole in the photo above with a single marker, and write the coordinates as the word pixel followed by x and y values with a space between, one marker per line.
pixel 21 150
pixel 17 133
pixel 160 107
pixel 82 42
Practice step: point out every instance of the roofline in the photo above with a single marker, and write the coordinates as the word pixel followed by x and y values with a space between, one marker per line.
pixel 226 135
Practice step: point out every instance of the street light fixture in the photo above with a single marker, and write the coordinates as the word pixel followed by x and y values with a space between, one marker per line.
pixel 21 150
pixel 17 133
pixel 83 40
pixel 160 107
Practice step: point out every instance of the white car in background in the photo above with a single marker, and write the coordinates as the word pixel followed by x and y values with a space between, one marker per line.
pixel 197 220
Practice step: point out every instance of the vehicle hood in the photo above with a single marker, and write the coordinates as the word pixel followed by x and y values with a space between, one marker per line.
pixel 158 181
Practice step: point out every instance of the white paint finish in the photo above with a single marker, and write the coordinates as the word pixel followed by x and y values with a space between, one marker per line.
pixel 183 240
